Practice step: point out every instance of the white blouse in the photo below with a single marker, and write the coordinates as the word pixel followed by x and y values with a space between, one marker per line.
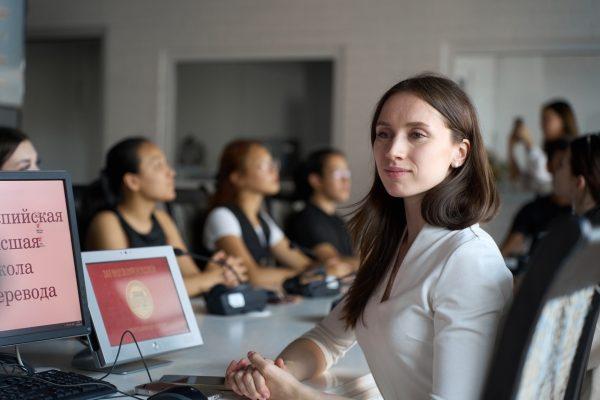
pixel 537 176
pixel 435 335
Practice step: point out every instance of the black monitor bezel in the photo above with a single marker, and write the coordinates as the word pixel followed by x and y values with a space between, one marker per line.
pixel 22 336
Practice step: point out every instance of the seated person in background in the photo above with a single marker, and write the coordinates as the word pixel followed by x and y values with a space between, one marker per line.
pixel 16 151
pixel 558 122
pixel 137 177
pixel 323 182
pixel 533 218
pixel 578 179
pixel 237 224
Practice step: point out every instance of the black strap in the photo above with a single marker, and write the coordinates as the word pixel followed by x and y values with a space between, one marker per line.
pixel 261 252
pixel 156 236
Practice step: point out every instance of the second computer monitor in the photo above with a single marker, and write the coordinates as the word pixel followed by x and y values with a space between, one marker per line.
pixel 140 290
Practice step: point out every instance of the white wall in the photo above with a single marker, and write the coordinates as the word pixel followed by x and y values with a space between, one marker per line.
pixel 477 76
pixel 520 92
pixel 62 109
pixel 578 80
pixel 505 86
pixel 375 43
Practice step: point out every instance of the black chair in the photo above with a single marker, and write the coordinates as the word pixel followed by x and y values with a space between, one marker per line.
pixel 188 211
pixel 89 200
pixel 543 348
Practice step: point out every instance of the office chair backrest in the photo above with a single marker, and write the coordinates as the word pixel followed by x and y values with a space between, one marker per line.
pixel 188 211
pixel 542 349
pixel 89 200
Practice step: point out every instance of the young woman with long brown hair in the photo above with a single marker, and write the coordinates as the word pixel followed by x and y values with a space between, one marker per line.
pixel 557 122
pixel 432 286
pixel 238 225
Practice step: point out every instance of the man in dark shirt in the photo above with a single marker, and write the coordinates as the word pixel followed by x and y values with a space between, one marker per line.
pixel 533 219
pixel 323 183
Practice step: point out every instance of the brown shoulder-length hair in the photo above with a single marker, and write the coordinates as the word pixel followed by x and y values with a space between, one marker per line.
pixel 566 114
pixel 233 159
pixel 468 194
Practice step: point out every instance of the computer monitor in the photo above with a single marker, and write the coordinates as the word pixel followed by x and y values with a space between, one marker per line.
pixel 42 291
pixel 140 290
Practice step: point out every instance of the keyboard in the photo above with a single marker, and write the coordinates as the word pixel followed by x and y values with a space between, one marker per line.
pixel 23 387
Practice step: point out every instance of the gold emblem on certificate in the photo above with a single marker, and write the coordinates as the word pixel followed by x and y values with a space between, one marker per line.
pixel 139 299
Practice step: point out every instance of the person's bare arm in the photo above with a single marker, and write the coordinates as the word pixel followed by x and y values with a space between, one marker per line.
pixel 260 378
pixel 105 233
pixel 336 264
pixel 304 359
pixel 195 280
pixel 514 244
pixel 259 275
pixel 292 258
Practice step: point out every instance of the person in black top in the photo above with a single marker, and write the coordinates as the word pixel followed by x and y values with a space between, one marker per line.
pixel 578 176
pixel 533 219
pixel 136 178
pixel 578 179
pixel 323 182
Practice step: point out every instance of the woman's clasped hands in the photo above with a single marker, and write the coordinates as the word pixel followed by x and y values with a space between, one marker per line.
pixel 260 378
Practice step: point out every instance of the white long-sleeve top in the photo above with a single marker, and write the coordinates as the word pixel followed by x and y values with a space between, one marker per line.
pixel 536 174
pixel 435 335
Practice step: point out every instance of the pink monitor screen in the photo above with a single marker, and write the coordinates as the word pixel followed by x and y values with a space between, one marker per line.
pixel 139 295
pixel 38 282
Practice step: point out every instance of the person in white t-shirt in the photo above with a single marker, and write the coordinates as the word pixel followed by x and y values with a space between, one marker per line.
pixel 238 224
pixel 432 287
pixel 557 122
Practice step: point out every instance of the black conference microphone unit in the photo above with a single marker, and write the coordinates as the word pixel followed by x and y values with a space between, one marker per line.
pixel 223 300
pixel 316 283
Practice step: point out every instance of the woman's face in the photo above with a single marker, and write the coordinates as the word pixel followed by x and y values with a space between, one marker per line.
pixel 413 148
pixel 335 179
pixel 565 183
pixel 552 124
pixel 260 174
pixel 24 158
pixel 155 179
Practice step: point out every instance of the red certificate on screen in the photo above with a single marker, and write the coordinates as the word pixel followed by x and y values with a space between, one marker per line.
pixel 137 295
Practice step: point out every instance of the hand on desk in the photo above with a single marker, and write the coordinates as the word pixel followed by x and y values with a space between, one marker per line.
pixel 260 378
pixel 234 274
pixel 337 267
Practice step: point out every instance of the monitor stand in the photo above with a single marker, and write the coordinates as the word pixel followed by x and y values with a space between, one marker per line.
pixel 87 360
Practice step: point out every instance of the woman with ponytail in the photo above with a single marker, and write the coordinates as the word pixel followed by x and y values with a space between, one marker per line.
pixel 136 178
